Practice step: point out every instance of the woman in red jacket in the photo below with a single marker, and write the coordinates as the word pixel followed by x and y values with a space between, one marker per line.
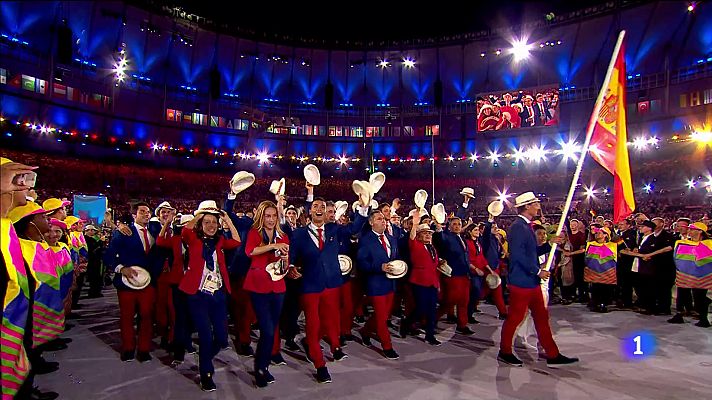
pixel 480 269
pixel 207 283
pixel 424 279
pixel 170 237
pixel 266 243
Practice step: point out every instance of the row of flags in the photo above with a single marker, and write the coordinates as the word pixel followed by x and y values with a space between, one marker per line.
pixel 214 121
pixel 58 90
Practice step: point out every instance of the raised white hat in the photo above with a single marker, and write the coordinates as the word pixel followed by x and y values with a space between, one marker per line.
pixel 312 175
pixel 241 181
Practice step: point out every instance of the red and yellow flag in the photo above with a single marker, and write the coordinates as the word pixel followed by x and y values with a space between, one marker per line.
pixel 609 142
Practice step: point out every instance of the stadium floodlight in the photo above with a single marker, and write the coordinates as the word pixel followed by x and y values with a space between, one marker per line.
pixel 493 156
pixel 590 191
pixel 569 150
pixel 262 157
pixel 520 50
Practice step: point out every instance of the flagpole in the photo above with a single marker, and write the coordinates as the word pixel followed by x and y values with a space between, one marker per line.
pixel 584 152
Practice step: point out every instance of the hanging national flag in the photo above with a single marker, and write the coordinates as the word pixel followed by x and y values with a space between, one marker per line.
pixel 609 143
pixel 72 94
pixel 59 90
pixel 28 83
pixel 41 86
pixel 16 81
pixel 94 100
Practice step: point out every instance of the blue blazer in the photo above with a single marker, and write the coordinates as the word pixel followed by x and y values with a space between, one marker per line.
pixel 461 213
pixel 346 246
pixel 398 232
pixel 370 259
pixel 238 263
pixel 128 251
pixel 523 260
pixel 491 246
pixel 320 268
pixel 450 249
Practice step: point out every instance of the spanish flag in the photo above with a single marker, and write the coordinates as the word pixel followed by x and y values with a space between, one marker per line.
pixel 609 142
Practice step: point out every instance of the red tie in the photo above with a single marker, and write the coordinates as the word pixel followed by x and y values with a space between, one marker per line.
pixel 146 243
pixel 321 239
pixel 383 242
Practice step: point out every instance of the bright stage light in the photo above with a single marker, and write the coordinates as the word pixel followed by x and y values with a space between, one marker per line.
pixel 262 157
pixel 474 157
pixel 702 137
pixel 503 196
pixel 520 50
pixel 518 155
pixel 536 154
pixel 383 63
pixel 691 184
pixel 590 191
pixel 493 156
pixel 343 160
pixel 569 150
pixel 648 188
pixel 639 143
pixel 408 62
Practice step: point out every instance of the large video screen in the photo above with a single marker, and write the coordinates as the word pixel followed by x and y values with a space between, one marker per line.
pixel 516 109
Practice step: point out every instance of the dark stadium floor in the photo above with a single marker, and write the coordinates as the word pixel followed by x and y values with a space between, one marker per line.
pixel 462 368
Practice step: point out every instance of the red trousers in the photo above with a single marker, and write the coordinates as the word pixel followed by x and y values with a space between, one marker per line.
pixel 521 300
pixel 378 323
pixel 358 296
pixel 131 301
pixel 321 313
pixel 346 309
pixel 165 312
pixel 403 297
pixel 242 312
pixel 496 295
pixel 456 292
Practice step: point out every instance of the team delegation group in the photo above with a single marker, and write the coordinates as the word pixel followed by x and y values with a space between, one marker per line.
pixel 269 268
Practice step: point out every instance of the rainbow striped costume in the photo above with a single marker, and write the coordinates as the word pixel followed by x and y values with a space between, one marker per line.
pixel 693 261
pixel 65 268
pixel 79 243
pixel 601 259
pixel 14 366
pixel 48 307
